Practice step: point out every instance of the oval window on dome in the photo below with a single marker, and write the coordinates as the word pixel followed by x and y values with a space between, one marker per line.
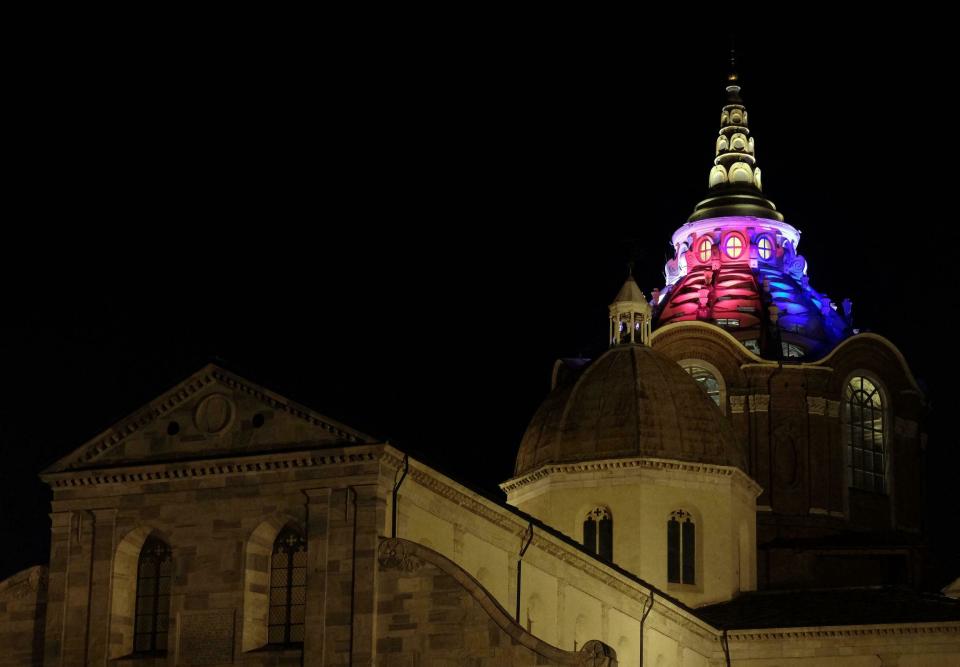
pixel 765 247
pixel 733 246
pixel 704 246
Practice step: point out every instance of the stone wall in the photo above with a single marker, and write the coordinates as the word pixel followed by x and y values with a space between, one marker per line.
pixel 22 610
pixel 431 612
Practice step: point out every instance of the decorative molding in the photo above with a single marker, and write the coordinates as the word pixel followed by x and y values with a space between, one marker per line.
pixel 627 464
pixel 833 409
pixel 820 511
pixel 394 555
pixel 207 468
pixel 737 404
pixel 764 508
pixel 760 402
pixel 816 405
pixel 839 631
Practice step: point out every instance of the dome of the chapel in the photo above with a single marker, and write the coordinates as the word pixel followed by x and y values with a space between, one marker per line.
pixel 631 402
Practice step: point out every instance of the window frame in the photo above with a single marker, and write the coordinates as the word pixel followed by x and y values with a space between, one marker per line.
pixel 691 362
pixel 156 645
pixel 282 543
pixel 846 430
pixel 684 564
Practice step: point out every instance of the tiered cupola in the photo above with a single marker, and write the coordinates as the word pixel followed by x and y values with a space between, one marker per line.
pixel 736 263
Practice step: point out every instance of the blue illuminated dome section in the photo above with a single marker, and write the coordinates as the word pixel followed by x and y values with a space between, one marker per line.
pixel 735 261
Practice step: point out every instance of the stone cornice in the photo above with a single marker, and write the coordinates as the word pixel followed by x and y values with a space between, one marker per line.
pixel 206 468
pixel 173 398
pixel 582 467
pixel 844 631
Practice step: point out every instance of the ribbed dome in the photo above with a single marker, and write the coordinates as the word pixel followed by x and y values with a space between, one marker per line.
pixel 631 402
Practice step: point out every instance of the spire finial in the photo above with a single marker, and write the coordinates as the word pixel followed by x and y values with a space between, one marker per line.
pixel 732 76
pixel 630 269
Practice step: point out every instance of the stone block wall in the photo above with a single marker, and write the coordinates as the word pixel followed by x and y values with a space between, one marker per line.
pixel 22 612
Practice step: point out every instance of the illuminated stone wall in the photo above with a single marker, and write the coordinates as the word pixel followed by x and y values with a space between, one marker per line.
pixel 22 611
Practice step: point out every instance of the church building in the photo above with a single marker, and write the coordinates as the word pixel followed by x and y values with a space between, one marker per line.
pixel 737 480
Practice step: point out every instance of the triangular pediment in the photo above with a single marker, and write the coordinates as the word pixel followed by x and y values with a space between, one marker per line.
pixel 212 413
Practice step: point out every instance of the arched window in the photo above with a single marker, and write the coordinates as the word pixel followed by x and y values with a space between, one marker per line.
pixel 709 379
pixel 598 532
pixel 288 588
pixel 154 573
pixel 863 430
pixel 681 548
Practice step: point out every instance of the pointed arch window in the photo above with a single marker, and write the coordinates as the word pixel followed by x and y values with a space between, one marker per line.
pixel 863 429
pixel 681 548
pixel 152 617
pixel 598 532
pixel 288 588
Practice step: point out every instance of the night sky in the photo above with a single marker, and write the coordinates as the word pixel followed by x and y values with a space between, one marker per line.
pixel 404 230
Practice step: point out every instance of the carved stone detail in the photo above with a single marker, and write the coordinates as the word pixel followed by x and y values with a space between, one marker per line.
pixel 760 403
pixel 597 654
pixel 738 404
pixel 816 405
pixel 393 555
pixel 833 409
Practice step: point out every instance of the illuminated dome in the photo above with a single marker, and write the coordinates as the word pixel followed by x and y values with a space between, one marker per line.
pixel 736 263
pixel 631 402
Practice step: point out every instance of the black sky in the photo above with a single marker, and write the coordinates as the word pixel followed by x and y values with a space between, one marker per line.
pixel 403 227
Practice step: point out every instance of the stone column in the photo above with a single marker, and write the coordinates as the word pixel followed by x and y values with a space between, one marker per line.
pixel 55 629
pixel 369 516
pixel 837 462
pixel 318 511
pixel 819 438
pixel 760 430
pixel 104 536
pixel 69 605
pixel 338 604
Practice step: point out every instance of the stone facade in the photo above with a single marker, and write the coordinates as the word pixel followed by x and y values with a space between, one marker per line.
pixel 457 578
pixel 788 416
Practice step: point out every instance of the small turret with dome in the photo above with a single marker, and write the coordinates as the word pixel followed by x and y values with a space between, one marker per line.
pixel 736 263
pixel 630 315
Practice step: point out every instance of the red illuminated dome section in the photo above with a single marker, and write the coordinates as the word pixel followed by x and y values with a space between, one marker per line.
pixel 744 275
pixel 718 286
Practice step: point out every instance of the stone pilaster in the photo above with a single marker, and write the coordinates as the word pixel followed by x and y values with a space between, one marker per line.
pixel 760 440
pixel 55 629
pixel 318 517
pixel 104 536
pixel 370 514
pixel 819 478
pixel 339 580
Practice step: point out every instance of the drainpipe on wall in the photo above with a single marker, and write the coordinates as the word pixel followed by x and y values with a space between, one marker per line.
pixel 643 619
pixel 523 550
pixel 396 490
pixel 726 646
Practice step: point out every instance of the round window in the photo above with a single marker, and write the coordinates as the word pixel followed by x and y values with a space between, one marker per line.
pixel 765 247
pixel 703 248
pixel 734 246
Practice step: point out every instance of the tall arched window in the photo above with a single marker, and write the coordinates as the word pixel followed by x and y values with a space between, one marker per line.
pixel 863 430
pixel 598 532
pixel 288 588
pixel 681 548
pixel 154 573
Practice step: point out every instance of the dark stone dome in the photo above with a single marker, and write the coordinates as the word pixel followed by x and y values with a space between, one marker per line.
pixel 631 402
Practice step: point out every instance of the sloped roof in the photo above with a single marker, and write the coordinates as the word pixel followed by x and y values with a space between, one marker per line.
pixel 825 607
